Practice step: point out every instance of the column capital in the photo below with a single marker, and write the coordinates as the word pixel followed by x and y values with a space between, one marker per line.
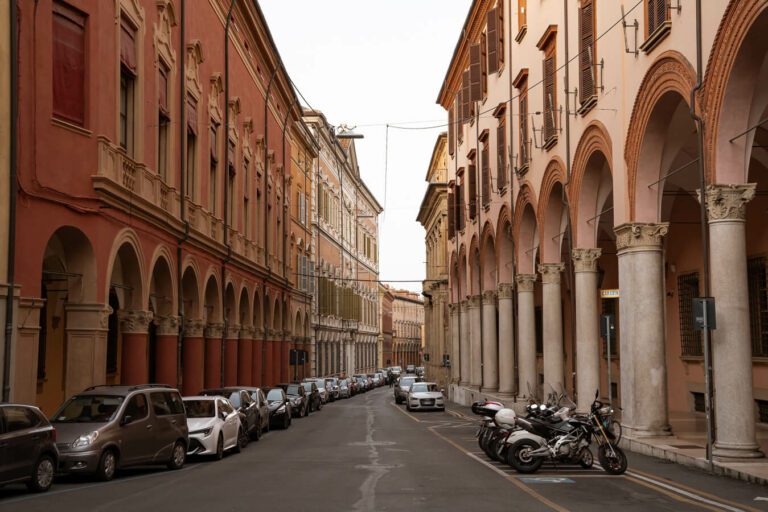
pixel 463 305
pixel 246 332
pixel 525 282
pixel 193 328
pixel 489 297
pixel 258 333
pixel 475 301
pixel 550 272
pixel 232 331
pixel 167 325
pixel 453 308
pixel 214 330
pixel 585 260
pixel 728 202
pixel 638 235
pixel 134 322
pixel 505 290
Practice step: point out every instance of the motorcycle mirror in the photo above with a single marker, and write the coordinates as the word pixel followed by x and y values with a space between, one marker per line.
pixel 597 393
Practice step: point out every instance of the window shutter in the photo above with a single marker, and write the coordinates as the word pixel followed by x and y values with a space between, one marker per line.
pixel 549 97
pixel 472 191
pixel 586 51
pixel 493 41
pixel 475 73
pixel 524 126
pixel 465 102
pixel 522 20
pixel 451 214
pixel 214 158
pixel 500 32
pixel 192 115
pixel 451 130
pixel 661 12
pixel 231 157
pixel 127 45
pixel 501 156
pixel 486 178
pixel 68 64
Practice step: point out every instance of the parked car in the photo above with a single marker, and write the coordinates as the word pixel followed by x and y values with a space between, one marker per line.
pixel 402 386
pixel 215 426
pixel 315 400
pixel 298 398
pixel 258 396
pixel 344 388
pixel 376 378
pixel 106 428
pixel 410 369
pixel 420 371
pixel 425 396
pixel 242 402
pixel 280 410
pixel 320 383
pixel 362 382
pixel 395 371
pixel 28 452
pixel 332 384
pixel 354 386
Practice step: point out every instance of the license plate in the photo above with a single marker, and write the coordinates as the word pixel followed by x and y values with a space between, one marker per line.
pixel 427 402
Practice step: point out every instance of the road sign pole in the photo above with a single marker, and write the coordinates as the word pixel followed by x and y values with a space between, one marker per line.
pixel 708 387
pixel 608 354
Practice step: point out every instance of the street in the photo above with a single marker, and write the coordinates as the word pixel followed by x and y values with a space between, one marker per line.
pixel 366 454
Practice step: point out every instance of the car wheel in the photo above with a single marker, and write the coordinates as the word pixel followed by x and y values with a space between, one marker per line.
pixel 256 434
pixel 220 447
pixel 242 440
pixel 306 411
pixel 178 456
pixel 107 466
pixel 286 422
pixel 42 474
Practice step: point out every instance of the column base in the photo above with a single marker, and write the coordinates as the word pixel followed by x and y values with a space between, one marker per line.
pixel 729 452
pixel 489 390
pixel 641 432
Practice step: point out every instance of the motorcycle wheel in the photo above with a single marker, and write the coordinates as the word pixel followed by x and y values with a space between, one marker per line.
pixel 519 456
pixel 501 450
pixel 490 447
pixel 614 462
pixel 586 460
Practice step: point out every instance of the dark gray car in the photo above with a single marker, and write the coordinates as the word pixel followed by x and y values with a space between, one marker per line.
pixel 403 385
pixel 27 447
pixel 105 428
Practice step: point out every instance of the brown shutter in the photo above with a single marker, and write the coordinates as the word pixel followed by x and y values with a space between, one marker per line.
pixel 501 156
pixel 460 207
pixel 162 93
pixel 472 191
pixel 486 178
pixel 522 14
pixel 214 158
pixel 475 73
pixel 231 157
pixel 68 34
pixel 451 130
pixel 192 115
pixel 500 31
pixel 549 97
pixel 451 214
pixel 586 51
pixel 661 12
pixel 524 126
pixel 127 45
pixel 465 101
pixel 493 41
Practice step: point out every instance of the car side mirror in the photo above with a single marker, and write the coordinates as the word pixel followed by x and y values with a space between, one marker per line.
pixel 223 415
pixel 127 419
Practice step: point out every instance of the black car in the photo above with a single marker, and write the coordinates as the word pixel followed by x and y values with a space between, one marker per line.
pixel 241 400
pixel 28 450
pixel 280 410
pixel 313 395
pixel 298 398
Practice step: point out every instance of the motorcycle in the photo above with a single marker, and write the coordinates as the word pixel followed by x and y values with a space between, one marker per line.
pixel 562 438
pixel 487 409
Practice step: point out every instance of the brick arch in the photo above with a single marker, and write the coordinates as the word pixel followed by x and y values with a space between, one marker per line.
pixel 738 20
pixel 488 263
pixel 671 72
pixel 526 202
pixel 505 251
pixel 554 175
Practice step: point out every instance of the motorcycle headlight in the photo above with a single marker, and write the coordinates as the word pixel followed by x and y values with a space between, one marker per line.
pixel 85 439
pixel 205 432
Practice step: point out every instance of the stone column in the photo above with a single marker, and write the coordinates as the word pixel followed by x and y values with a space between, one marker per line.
pixel 166 349
pixel 506 340
pixel 193 357
pixel 731 341
pixel 134 328
pixel 464 344
pixel 587 332
pixel 285 364
pixel 552 328
pixel 213 336
pixel 257 367
pixel 474 305
pixel 490 359
pixel 453 314
pixel 231 337
pixel 245 356
pixel 642 355
pixel 526 335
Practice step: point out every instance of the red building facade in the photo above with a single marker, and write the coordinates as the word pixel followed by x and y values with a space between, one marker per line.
pixel 153 204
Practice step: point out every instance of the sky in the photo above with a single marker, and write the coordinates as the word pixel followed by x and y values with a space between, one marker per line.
pixel 368 63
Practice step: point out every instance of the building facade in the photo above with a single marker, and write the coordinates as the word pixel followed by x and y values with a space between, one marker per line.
pixel 433 216
pixel 408 328
pixel 6 101
pixel 346 267
pixel 154 229
pixel 576 156
pixel 386 300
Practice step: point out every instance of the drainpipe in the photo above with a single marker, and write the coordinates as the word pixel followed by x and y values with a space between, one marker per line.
pixel 285 217
pixel 512 259
pixel 704 237
pixel 478 208
pixel 11 201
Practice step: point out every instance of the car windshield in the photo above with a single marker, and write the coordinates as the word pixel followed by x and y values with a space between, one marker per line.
pixel 307 386
pixel 89 409
pixel 275 395
pixel 421 387
pixel 407 382
pixel 293 389
pixel 200 408
pixel 396 369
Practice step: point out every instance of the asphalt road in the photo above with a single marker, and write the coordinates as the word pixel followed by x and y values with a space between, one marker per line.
pixel 367 454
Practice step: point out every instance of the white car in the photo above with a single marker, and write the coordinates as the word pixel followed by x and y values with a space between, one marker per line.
pixel 214 426
pixel 423 396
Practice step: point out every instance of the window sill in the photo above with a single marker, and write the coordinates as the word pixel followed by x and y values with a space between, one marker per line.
pixel 487 207
pixel 760 359
pixel 55 121
pixel 656 37
pixel 550 143
pixel 692 359
pixel 521 34
pixel 587 105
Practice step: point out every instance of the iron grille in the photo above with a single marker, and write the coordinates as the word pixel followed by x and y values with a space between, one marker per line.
pixel 687 290
pixel 762 411
pixel 758 305
pixel 698 402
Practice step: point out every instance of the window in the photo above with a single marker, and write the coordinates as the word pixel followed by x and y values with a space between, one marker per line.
pixel 687 290
pixel 495 37
pixel 191 156
pixel 231 172
pixel 550 94
pixel 214 165
pixel 19 418
pixel 246 194
pixel 484 64
pixel 475 76
pixel 762 411
pixel 137 407
pixel 127 85
pixel 699 402
pixel 587 49
pixel 657 14
pixel 451 212
pixel 757 277
pixel 472 170
pixel 68 62
pixel 164 121
pixel 501 154
pixel 522 19
pixel 486 173
pixel 160 404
